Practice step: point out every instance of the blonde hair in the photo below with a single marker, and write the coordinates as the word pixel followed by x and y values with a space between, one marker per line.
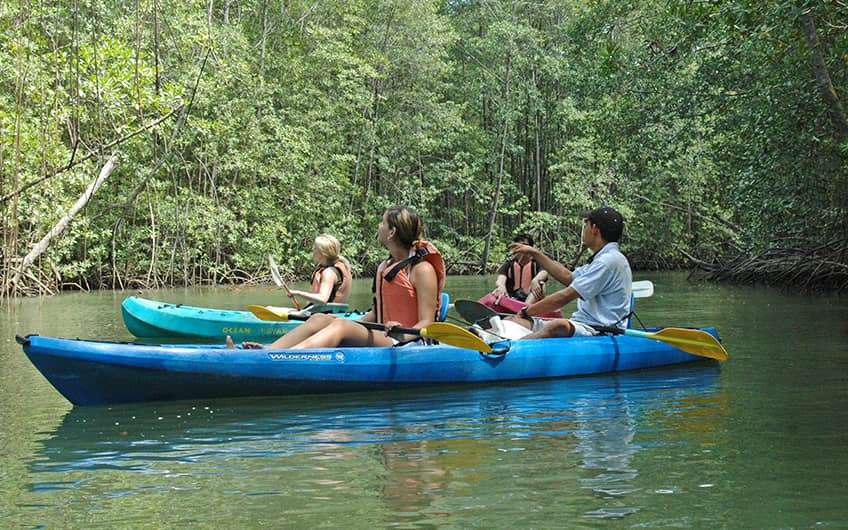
pixel 330 248
pixel 406 222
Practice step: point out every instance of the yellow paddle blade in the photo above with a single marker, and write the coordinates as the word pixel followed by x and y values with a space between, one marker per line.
pixel 277 314
pixel 455 336
pixel 692 341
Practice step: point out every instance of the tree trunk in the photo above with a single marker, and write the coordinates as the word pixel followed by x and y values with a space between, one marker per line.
pixel 369 170
pixel 828 93
pixel 158 80
pixel 484 259
pixel 12 218
pixel 264 44
pixel 63 223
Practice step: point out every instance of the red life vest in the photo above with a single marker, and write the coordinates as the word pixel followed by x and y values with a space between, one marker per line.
pixel 522 276
pixel 395 298
pixel 341 287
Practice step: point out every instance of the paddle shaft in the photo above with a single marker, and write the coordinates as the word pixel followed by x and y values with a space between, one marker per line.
pixel 290 294
pixel 612 330
pixel 278 279
pixel 369 325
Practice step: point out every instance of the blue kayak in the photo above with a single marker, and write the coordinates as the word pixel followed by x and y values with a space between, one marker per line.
pixel 102 373
pixel 151 319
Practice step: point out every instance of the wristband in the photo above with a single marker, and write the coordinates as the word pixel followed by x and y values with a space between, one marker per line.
pixel 523 314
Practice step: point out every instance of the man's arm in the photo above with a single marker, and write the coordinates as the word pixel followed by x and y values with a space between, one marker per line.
pixel 328 278
pixel 553 302
pixel 557 270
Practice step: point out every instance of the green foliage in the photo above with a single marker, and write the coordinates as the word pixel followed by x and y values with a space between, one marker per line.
pixel 702 122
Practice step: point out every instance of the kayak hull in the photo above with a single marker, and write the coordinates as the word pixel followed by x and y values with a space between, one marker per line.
pixel 102 373
pixel 151 319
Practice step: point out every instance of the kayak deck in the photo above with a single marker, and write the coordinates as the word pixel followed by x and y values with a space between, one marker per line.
pixel 152 319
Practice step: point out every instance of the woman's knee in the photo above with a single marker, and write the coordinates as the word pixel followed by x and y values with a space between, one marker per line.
pixel 320 320
pixel 341 327
pixel 344 331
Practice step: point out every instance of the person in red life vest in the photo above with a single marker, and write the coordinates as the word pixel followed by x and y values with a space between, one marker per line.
pixel 521 277
pixel 521 282
pixel 407 290
pixel 332 278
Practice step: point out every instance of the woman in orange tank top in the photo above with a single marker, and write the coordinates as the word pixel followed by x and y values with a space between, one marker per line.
pixel 331 279
pixel 407 291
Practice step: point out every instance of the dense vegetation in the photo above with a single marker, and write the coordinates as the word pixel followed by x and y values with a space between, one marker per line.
pixel 246 127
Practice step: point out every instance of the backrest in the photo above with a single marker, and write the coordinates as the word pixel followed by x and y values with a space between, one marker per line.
pixel 443 307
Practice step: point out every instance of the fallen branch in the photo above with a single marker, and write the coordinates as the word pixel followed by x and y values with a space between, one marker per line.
pixel 63 223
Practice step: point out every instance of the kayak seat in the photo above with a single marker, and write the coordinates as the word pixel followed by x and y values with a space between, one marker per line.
pixel 443 307
pixel 632 308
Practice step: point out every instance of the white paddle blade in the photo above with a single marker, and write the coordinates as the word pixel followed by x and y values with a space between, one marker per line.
pixel 643 289
pixel 275 271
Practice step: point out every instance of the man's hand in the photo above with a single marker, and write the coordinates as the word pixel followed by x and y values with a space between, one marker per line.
pixel 520 248
pixel 390 325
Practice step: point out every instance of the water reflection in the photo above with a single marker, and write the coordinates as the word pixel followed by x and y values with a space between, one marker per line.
pixel 422 456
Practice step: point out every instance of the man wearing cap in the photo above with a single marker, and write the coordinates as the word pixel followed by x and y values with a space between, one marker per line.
pixel 602 287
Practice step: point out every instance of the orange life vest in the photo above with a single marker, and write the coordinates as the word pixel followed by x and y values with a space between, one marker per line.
pixel 341 287
pixel 395 298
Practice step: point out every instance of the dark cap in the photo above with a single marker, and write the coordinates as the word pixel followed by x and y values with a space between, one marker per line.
pixel 608 221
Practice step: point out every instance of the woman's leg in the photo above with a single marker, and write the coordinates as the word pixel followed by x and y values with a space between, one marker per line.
pixel 347 333
pixel 315 324
pixel 536 295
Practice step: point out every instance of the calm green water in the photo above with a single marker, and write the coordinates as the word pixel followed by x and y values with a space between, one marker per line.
pixel 761 441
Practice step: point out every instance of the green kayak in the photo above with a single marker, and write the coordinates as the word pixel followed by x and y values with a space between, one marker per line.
pixel 152 319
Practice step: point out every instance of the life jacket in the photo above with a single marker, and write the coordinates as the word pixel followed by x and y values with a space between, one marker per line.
pixel 341 287
pixel 395 298
pixel 519 277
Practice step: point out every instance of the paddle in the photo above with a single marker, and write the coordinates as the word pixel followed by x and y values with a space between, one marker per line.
pixel 439 331
pixel 278 279
pixel 693 341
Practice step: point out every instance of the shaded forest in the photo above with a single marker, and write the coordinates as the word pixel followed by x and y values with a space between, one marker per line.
pixel 153 143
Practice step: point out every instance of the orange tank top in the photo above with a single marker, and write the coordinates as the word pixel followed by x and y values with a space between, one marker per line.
pixel 341 287
pixel 395 298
